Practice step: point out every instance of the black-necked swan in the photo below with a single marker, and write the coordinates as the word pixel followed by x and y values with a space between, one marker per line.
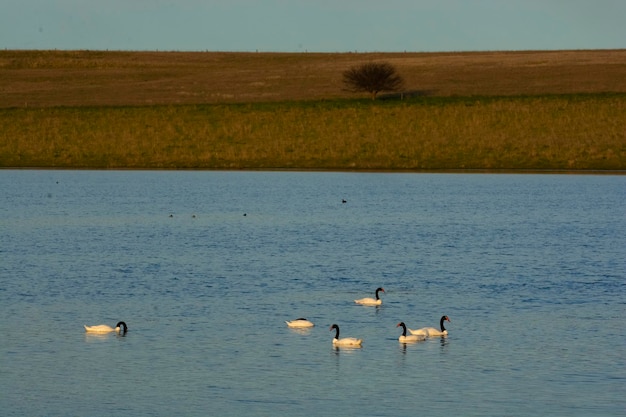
pixel 103 328
pixel 412 338
pixel 431 331
pixel 368 301
pixel 299 323
pixel 346 341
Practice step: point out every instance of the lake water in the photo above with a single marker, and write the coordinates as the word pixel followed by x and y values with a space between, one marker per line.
pixel 205 267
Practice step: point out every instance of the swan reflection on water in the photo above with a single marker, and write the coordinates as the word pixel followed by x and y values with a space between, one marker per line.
pixel 443 340
pixel 305 331
pixel 100 337
pixel 345 349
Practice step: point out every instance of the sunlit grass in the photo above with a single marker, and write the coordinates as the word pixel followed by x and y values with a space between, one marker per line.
pixel 570 132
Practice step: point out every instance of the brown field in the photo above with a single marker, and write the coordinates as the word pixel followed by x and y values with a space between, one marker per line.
pixel 98 78
pixel 561 110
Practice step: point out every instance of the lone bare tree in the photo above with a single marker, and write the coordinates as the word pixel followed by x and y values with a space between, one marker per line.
pixel 373 78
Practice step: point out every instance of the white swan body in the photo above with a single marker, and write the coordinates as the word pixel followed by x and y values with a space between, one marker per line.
pixel 434 332
pixel 299 323
pixel 411 338
pixel 346 341
pixel 431 331
pixel 368 301
pixel 419 332
pixel 103 328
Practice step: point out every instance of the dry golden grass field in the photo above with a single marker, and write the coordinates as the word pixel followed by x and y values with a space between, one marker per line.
pixel 533 110
pixel 97 78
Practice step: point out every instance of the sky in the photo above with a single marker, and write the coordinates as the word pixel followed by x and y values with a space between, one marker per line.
pixel 313 25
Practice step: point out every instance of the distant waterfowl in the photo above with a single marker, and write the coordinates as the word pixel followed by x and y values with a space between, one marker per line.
pixel 431 331
pixel 299 323
pixel 346 341
pixel 412 338
pixel 368 301
pixel 103 328
pixel 343 201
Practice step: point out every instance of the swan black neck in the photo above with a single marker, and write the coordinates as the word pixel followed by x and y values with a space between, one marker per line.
pixel 334 326
pixel 377 291
pixel 123 325
pixel 443 318
pixel 403 328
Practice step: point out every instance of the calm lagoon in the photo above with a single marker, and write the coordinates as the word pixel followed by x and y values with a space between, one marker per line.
pixel 205 267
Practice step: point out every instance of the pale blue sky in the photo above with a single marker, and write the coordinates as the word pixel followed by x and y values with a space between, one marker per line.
pixel 313 25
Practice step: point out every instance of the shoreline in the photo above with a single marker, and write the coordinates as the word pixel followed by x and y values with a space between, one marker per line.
pixel 477 171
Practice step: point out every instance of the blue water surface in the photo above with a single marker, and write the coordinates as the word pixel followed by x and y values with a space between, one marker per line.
pixel 205 267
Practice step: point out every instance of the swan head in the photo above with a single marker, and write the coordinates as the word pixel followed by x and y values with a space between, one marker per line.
pixel 121 327
pixel 379 289
pixel 401 324
pixel 334 326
